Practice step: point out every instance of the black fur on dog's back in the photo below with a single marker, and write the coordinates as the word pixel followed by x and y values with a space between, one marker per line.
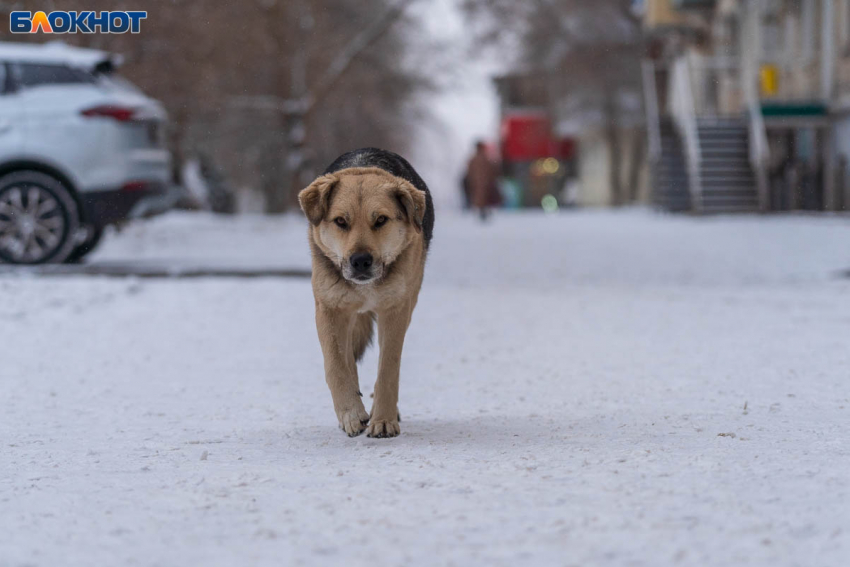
pixel 396 165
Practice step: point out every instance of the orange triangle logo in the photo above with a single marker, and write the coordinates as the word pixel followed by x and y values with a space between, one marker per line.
pixel 39 20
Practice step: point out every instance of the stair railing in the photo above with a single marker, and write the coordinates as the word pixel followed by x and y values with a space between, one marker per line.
pixel 759 147
pixel 759 151
pixel 683 110
pixel 653 120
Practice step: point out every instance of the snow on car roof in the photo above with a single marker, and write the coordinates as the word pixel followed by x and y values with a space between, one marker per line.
pixel 55 52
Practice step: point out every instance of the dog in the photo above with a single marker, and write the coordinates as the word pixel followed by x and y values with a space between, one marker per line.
pixel 371 223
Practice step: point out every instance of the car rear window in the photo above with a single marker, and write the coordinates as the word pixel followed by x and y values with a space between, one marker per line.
pixel 35 74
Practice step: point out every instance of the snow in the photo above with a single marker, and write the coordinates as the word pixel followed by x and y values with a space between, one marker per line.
pixel 588 388
pixel 204 239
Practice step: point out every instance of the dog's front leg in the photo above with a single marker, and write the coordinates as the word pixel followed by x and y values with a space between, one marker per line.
pixel 335 327
pixel 392 326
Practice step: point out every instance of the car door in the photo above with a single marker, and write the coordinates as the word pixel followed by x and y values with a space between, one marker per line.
pixel 12 119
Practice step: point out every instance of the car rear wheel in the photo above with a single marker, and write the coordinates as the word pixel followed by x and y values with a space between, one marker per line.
pixel 38 219
pixel 93 236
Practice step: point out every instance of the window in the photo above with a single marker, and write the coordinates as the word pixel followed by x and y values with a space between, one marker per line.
pixel 772 40
pixel 32 75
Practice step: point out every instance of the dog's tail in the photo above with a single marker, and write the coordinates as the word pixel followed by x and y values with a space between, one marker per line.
pixel 362 336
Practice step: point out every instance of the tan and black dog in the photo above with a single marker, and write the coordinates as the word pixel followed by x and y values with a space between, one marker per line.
pixel 371 220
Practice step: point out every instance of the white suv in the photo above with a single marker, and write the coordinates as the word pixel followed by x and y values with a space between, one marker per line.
pixel 80 148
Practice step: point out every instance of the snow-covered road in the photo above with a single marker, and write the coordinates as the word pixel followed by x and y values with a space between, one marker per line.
pixel 592 388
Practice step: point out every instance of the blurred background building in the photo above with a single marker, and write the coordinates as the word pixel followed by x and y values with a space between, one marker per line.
pixel 747 103
pixel 700 106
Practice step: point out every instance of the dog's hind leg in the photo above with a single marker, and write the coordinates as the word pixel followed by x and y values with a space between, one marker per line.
pixel 336 329
pixel 361 335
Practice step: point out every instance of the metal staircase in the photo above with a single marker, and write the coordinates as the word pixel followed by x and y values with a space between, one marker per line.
pixel 726 181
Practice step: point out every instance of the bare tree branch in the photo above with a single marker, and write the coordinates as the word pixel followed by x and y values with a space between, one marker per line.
pixel 337 68
pixel 360 43
pixel 269 102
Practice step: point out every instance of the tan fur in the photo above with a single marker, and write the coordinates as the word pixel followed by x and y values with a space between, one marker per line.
pixel 345 309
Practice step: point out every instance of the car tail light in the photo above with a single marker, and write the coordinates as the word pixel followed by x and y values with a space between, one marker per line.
pixel 119 113
pixel 135 186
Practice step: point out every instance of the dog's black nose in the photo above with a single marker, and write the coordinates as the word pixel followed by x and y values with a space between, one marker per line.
pixel 361 261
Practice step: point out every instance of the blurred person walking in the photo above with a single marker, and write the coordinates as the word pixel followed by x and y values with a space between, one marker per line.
pixel 480 179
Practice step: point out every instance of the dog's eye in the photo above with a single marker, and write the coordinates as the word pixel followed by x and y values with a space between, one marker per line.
pixel 381 221
pixel 340 222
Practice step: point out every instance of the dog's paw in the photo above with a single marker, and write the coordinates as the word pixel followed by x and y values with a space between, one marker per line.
pixel 353 422
pixel 383 428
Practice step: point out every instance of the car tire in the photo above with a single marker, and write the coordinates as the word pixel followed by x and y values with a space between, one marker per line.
pixel 39 219
pixel 89 244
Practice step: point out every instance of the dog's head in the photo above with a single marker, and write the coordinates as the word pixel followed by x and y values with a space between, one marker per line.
pixel 363 219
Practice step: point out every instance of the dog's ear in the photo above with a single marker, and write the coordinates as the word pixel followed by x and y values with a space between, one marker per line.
pixel 315 200
pixel 412 202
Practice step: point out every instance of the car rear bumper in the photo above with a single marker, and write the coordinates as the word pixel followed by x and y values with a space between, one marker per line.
pixel 132 200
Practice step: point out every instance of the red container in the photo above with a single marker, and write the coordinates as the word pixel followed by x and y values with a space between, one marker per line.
pixel 527 136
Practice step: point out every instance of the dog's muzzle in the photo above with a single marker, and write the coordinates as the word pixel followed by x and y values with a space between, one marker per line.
pixel 361 268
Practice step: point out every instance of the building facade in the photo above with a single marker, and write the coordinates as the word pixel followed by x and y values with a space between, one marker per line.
pixel 748 104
